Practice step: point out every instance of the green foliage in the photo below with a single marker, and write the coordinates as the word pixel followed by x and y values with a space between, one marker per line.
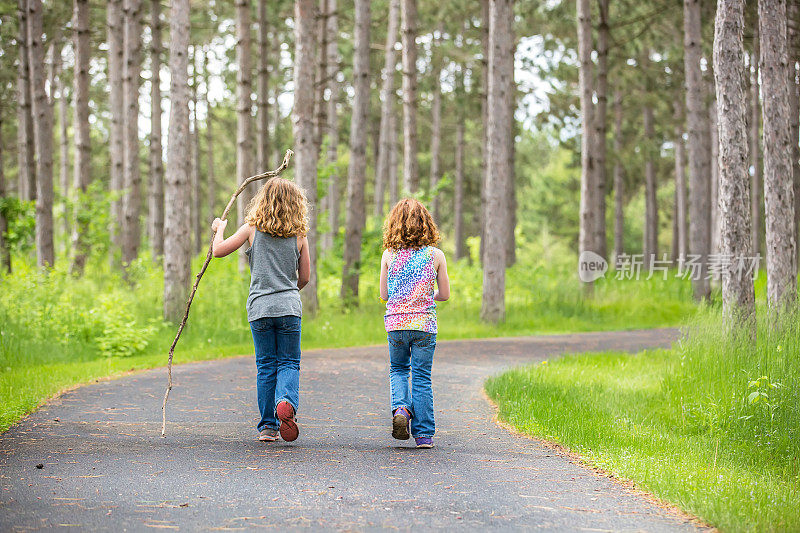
pixel 711 425
pixel 21 217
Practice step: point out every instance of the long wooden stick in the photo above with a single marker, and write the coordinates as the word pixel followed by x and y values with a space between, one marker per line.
pixel 209 255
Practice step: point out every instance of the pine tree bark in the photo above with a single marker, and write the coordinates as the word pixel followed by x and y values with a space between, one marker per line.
pixel 458 185
pixel 356 172
pixel 387 107
pixel 63 139
pixel 778 180
pixel 619 179
pixel 332 196
pixel 43 132
pixel 738 298
pixel 650 245
pixel 501 80
pixel 277 90
pixel 176 191
pixel 211 185
pixel 132 179
pixel 756 179
pixel 680 238
pixel 394 184
pixel 116 53
pixel 588 215
pixel 484 120
pixel 244 160
pixel 321 73
pixel 5 254
pixel 262 141
pixel 25 137
pixel 408 14
pixel 303 127
pixel 793 38
pixel 436 123
pixel 195 178
pixel 713 140
pixel 698 154
pixel 156 185
pixel 83 151
pixel 600 179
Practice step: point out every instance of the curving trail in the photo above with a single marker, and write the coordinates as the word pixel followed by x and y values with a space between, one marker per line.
pixel 107 467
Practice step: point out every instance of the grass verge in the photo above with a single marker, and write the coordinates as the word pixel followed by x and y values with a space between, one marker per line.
pixel 710 426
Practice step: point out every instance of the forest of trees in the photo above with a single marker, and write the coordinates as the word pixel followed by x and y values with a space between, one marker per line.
pixel 690 106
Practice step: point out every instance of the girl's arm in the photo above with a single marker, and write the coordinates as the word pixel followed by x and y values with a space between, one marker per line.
pixel 304 264
pixel 442 293
pixel 221 247
pixel 384 274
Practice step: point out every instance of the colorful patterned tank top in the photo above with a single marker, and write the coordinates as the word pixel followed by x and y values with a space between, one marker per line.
pixel 410 281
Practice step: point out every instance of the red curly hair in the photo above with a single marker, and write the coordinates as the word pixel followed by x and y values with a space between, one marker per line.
pixel 409 225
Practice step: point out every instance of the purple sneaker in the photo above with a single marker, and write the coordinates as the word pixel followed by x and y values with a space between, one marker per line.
pixel 424 442
pixel 400 424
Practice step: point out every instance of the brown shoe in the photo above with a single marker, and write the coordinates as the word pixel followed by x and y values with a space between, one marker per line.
pixel 268 435
pixel 288 429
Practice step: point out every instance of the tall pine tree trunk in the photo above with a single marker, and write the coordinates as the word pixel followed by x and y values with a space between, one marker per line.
pixel 63 138
pixel 680 238
pixel 116 56
pixel 332 197
pixel 320 109
pixel 484 120
pixel 603 36
pixel 619 179
pixel 43 132
pixel 25 137
pixel 156 185
pixel 356 172
pixel 5 254
pixel 588 214
pixel 303 122
pixel 83 149
pixel 501 81
pixel 458 185
pixel 699 171
pixel 244 156
pixel 394 185
pixel 734 187
pixel 408 10
pixel 511 191
pixel 793 39
pixel 276 92
pixel 713 140
pixel 262 141
pixel 132 197
pixel 211 185
pixel 176 191
pixel 755 148
pixel 436 123
pixel 195 178
pixel 650 245
pixel 387 107
pixel 778 181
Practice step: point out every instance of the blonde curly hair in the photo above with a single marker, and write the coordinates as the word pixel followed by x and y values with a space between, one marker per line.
pixel 409 225
pixel 279 208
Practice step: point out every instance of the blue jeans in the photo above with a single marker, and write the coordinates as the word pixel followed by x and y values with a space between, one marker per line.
pixel 412 351
pixel 277 344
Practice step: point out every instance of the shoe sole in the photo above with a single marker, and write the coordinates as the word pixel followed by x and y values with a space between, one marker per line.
pixel 400 427
pixel 288 430
pixel 424 445
pixel 267 439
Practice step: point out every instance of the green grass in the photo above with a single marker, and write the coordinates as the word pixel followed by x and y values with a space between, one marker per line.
pixel 694 425
pixel 57 331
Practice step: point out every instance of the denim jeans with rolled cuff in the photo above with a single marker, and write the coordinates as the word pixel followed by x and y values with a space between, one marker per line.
pixel 277 347
pixel 411 352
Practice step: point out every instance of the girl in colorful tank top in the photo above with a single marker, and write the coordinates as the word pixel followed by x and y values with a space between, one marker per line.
pixel 413 278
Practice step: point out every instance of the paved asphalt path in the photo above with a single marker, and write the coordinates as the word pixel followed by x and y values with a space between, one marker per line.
pixel 106 467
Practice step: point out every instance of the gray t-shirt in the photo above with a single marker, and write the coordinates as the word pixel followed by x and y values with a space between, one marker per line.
pixel 273 277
